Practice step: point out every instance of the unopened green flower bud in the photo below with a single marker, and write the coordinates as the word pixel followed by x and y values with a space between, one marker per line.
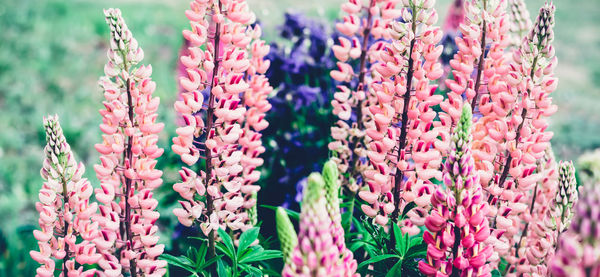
pixel 286 233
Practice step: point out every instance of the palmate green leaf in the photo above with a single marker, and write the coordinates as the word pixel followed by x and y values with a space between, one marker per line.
pixel 227 241
pixel 247 238
pixel 417 251
pixel 201 254
pixel 396 270
pixel 252 271
pixel 406 243
pixel 260 255
pixel 221 269
pixel 293 214
pixel 377 259
pixel 416 240
pixel 182 262
pixel 201 267
pixel 399 239
pixel 222 248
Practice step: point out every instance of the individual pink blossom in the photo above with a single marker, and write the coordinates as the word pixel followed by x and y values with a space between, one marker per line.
pixel 128 238
pixel 67 230
pixel 404 141
pixel 226 61
pixel 457 223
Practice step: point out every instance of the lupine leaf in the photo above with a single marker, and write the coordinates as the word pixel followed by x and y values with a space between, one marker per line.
pixel 377 259
pixel 260 256
pixel 221 269
pixel 247 238
pixel 416 251
pixel 182 262
pixel 253 271
pixel 221 247
pixel 209 262
pixel 398 238
pixel 227 241
pixel 396 270
pixel 293 214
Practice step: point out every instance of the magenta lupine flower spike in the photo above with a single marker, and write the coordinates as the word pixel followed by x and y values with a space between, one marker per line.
pixel 566 198
pixel 226 62
pixel 457 224
pixel 315 254
pixel 65 211
pixel 362 30
pixel 128 238
pixel 578 253
pixel 405 143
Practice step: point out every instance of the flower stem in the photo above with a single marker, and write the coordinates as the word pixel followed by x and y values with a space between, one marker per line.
pixel 209 126
pixel 361 86
pixel 399 176
pixel 480 65
pixel 347 225
pixel 128 189
pixel 524 233
pixel 66 230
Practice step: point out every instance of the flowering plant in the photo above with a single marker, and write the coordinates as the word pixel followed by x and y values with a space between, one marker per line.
pixel 447 153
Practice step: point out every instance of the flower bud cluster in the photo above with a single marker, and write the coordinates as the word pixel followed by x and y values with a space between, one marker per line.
pixel 578 253
pixel 520 22
pixel 566 198
pixel 316 253
pixel 67 231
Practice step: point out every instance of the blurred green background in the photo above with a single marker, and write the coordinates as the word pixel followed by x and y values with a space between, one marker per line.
pixel 52 54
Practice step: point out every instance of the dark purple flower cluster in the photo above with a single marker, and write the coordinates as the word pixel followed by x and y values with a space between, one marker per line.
pixel 298 133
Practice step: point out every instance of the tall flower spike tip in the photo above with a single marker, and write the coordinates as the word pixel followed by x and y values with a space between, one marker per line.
pixel 316 253
pixel 222 106
pixel 286 233
pixel 578 253
pixel 457 224
pixel 332 188
pixel 479 58
pixel 566 198
pixel 520 21
pixel 128 153
pixel 65 211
